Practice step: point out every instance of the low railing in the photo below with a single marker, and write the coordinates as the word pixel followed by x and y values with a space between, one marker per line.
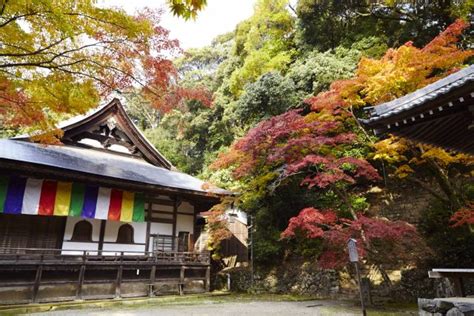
pixel 169 267
pixel 18 255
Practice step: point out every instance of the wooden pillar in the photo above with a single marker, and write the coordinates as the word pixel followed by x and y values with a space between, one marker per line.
pixel 181 280
pixel 148 227
pixel 458 286
pixel 175 220
pixel 152 278
pixel 118 281
pixel 36 286
pixel 80 280
pixel 101 236
pixel 207 282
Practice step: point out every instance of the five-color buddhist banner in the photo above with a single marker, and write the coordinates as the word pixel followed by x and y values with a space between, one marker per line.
pixel 31 196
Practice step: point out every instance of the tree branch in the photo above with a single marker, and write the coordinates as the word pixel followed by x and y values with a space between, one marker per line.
pixel 16 17
pixel 4 5
pixel 427 188
pixel 36 52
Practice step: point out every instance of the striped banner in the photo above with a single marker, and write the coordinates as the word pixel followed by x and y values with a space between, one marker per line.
pixel 31 196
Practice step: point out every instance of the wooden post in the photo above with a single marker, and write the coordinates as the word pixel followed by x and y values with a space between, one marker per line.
pixel 148 227
pixel 101 236
pixel 118 282
pixel 458 286
pixel 181 280
pixel 207 282
pixel 362 304
pixel 175 219
pixel 152 278
pixel 354 258
pixel 36 286
pixel 80 280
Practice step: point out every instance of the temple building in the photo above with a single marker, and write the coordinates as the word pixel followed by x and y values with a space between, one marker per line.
pixel 440 114
pixel 102 215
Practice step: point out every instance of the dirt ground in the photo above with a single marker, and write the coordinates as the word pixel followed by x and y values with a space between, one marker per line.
pixel 231 307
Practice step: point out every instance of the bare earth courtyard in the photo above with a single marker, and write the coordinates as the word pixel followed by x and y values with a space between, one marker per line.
pixel 234 305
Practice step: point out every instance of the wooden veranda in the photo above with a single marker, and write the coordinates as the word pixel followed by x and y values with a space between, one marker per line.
pixel 29 275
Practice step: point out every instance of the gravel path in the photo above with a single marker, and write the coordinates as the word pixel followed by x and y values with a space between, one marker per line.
pixel 244 308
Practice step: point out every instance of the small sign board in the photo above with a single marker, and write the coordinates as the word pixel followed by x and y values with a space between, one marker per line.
pixel 352 248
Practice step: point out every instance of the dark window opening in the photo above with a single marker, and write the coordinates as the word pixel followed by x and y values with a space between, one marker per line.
pixel 183 241
pixel 125 234
pixel 82 232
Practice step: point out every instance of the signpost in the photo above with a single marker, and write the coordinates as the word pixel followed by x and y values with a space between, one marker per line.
pixel 354 257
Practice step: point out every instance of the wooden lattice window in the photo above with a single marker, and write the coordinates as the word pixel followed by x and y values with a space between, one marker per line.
pixel 125 234
pixel 82 232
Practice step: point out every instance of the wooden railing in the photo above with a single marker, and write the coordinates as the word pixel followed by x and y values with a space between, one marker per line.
pixel 73 255
pixel 39 261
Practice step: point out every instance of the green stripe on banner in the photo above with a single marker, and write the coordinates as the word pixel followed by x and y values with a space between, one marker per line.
pixel 138 208
pixel 3 192
pixel 77 199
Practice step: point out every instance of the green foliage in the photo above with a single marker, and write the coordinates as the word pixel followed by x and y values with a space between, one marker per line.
pixel 263 43
pixel 314 71
pixel 197 67
pixel 187 9
pixel 141 112
pixel 270 95
pixel 328 24
pixel 168 139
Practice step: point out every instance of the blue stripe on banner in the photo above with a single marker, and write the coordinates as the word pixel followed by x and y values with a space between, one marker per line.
pixel 15 192
pixel 90 201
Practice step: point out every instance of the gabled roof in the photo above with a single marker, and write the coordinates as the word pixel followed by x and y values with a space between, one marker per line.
pixel 110 125
pixel 127 132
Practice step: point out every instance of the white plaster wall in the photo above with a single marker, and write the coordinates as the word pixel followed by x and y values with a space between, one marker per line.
pixel 112 227
pixel 185 223
pixel 161 228
pixel 123 247
pixel 71 221
pixel 76 246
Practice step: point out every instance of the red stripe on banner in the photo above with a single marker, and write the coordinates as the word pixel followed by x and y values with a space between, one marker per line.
pixel 48 197
pixel 115 206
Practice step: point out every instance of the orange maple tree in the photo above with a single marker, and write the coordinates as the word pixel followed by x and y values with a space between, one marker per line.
pixel 61 57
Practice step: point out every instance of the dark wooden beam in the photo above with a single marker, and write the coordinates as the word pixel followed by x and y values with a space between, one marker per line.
pixel 151 291
pixel 169 213
pixel 101 235
pixel 175 219
pixel 181 280
pixel 148 227
pixel 160 201
pixel 80 280
pixel 161 220
pixel 118 281
pixel 36 286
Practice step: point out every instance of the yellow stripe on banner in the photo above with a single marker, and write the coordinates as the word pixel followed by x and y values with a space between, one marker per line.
pixel 127 206
pixel 63 199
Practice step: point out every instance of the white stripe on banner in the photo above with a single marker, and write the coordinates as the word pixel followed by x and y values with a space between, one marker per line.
pixel 103 203
pixel 31 197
